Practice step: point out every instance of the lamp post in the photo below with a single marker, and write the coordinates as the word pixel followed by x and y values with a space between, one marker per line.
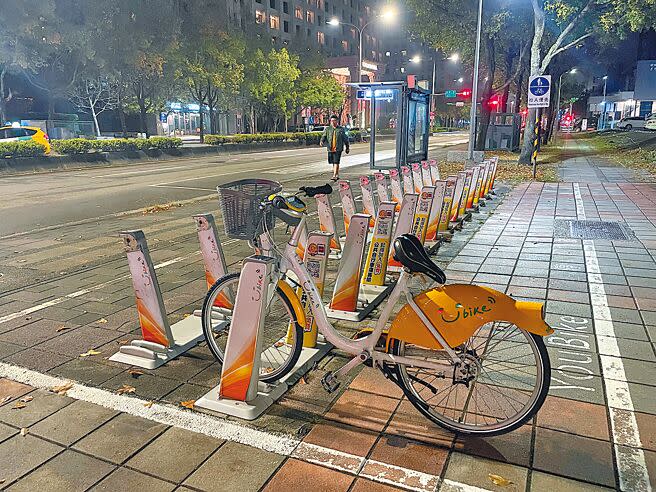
pixel 603 111
pixel 387 15
pixel 560 83
pixel 472 112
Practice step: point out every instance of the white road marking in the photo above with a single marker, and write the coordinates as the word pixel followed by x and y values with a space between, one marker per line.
pixel 73 295
pixel 129 173
pixel 630 459
pixel 220 428
pixel 181 187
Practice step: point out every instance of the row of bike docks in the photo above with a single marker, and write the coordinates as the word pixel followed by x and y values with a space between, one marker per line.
pixel 413 200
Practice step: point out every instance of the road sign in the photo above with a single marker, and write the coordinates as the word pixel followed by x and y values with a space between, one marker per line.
pixel 450 94
pixel 539 91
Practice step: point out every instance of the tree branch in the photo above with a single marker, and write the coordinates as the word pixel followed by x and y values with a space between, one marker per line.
pixel 555 47
pixel 572 44
pixel 515 74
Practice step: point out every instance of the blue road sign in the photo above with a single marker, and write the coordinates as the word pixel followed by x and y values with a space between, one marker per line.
pixel 539 91
pixel 540 86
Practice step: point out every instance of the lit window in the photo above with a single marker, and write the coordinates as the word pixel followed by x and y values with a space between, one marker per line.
pixel 345 46
pixel 298 12
pixel 321 39
pixel 260 17
pixel 310 17
pixel 274 22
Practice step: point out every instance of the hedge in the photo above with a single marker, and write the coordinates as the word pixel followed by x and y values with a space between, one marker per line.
pixel 83 145
pixel 21 148
pixel 307 137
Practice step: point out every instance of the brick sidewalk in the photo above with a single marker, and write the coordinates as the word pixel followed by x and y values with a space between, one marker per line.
pixel 596 431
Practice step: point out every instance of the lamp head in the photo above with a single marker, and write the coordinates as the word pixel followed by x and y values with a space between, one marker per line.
pixel 415 59
pixel 454 57
pixel 605 77
pixel 333 22
pixel 388 14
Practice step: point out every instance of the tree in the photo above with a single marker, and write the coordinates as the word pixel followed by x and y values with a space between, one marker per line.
pixel 320 90
pixel 94 96
pixel 571 22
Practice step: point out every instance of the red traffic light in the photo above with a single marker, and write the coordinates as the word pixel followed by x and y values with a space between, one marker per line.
pixel 465 93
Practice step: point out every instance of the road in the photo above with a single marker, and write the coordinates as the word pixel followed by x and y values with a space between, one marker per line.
pixel 34 202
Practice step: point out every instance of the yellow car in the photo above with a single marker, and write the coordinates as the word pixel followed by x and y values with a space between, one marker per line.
pixel 17 133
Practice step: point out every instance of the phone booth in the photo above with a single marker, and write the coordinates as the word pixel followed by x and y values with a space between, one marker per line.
pixel 400 114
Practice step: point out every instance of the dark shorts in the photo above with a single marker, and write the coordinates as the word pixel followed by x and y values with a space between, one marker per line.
pixel 334 157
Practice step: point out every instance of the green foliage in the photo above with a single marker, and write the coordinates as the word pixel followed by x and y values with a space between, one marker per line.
pixel 320 90
pixel 72 146
pixel 83 145
pixel 307 137
pixel 23 148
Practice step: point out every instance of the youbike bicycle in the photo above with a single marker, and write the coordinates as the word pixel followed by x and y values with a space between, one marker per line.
pixel 469 358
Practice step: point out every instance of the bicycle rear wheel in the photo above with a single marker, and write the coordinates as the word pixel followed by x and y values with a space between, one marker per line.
pixel 278 354
pixel 501 382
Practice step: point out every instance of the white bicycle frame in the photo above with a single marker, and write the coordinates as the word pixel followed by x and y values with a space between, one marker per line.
pixel 363 348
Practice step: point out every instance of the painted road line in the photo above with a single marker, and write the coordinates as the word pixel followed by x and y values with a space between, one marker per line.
pixel 181 187
pixel 73 295
pixel 219 428
pixel 630 458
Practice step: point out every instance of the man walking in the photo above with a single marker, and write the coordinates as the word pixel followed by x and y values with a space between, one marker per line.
pixel 335 139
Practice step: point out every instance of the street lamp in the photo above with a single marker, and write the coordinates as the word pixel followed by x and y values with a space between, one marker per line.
pixel 560 83
pixel 460 80
pixel 472 112
pixel 603 114
pixel 386 16
pixel 417 59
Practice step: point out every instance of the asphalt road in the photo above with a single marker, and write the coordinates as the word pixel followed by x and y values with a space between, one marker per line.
pixel 36 201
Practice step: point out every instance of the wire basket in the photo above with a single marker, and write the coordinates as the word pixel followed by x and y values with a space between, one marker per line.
pixel 240 206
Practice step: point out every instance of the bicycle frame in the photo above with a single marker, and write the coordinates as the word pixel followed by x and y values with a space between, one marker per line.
pixel 290 261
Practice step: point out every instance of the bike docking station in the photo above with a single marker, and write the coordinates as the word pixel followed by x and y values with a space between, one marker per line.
pixel 396 187
pixel 434 239
pixel 240 393
pixel 417 178
pixel 160 342
pixel 327 224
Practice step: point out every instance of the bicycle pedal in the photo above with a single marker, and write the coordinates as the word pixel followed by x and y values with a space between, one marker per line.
pixel 330 382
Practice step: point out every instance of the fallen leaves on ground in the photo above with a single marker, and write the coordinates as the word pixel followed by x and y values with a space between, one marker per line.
pixel 62 328
pixel 5 400
pixel 278 344
pixel 188 404
pixel 90 353
pixel 161 208
pixel 24 431
pixel 148 404
pixel 27 399
pixel 61 390
pixel 135 373
pixel 499 480
pixel 126 388
pixel 102 321
pixel 18 405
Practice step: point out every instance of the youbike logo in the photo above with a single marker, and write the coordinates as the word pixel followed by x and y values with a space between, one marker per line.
pixel 259 284
pixel 469 311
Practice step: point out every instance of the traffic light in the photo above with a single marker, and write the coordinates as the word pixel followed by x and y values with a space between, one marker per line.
pixel 465 93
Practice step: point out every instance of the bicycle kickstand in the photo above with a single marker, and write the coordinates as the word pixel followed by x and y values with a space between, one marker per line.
pixel 330 381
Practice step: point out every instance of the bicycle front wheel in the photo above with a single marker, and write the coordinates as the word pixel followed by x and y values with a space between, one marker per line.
pixel 501 382
pixel 279 352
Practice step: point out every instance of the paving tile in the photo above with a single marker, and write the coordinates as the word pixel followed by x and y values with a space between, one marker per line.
pixel 76 342
pixel 297 475
pixel 398 451
pixel 6 432
pixel 175 454
pixel 362 410
pixel 72 422
pixel 6 349
pixel 86 371
pixel 473 470
pixel 232 466
pixel 44 404
pixel 146 385
pixel 544 481
pixel 37 360
pixel 126 479
pixel 576 417
pixel 21 454
pixel 342 438
pixel 373 381
pixel 647 429
pixel 120 438
pixel 573 456
pixel 362 485
pixel 514 447
pixel 10 390
pixel 66 471
pixel 407 422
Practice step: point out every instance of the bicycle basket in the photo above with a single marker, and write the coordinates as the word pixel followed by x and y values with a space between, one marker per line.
pixel 240 206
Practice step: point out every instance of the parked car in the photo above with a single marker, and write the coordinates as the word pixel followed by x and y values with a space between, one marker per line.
pixel 17 133
pixel 631 123
pixel 650 124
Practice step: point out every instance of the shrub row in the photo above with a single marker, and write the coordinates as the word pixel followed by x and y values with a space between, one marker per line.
pixel 83 145
pixel 307 137
pixel 22 148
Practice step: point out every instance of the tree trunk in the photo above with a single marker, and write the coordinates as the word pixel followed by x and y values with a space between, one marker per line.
pixel 535 69
pixel 96 126
pixel 201 125
pixel 142 117
pixel 3 98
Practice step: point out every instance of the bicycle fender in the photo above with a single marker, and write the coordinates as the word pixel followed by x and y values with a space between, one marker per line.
pixel 296 302
pixel 458 310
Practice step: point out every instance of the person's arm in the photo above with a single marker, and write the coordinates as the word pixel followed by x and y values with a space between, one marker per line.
pixel 322 141
pixel 346 141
